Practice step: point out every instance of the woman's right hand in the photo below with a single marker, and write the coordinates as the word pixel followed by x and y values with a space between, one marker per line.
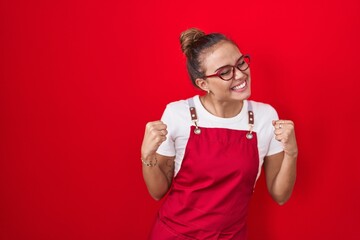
pixel 155 134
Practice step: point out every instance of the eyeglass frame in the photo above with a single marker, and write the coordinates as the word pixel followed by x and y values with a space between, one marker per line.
pixel 217 74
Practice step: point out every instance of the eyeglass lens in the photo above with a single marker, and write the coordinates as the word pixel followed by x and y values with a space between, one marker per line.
pixel 227 72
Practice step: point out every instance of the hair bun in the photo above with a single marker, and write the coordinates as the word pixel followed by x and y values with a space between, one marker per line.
pixel 188 37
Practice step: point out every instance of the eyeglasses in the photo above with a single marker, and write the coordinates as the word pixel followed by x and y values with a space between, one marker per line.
pixel 227 72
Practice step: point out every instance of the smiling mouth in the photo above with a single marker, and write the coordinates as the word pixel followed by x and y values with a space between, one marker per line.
pixel 240 86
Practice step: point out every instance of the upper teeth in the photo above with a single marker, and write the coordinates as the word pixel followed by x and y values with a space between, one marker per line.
pixel 240 86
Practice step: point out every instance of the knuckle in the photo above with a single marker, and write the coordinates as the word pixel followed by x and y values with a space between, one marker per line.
pixel 151 129
pixel 149 126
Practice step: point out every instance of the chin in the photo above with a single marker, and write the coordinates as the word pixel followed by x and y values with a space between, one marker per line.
pixel 243 96
pixel 248 94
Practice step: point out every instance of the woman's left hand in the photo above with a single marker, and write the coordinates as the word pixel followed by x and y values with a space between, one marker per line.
pixel 285 133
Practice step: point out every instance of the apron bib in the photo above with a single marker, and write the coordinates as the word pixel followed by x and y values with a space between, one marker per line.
pixel 210 195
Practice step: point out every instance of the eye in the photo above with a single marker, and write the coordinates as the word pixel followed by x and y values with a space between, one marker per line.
pixel 240 64
pixel 225 71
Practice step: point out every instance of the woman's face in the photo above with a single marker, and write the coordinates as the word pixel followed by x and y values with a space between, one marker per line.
pixel 223 54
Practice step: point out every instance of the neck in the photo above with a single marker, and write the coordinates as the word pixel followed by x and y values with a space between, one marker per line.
pixel 221 108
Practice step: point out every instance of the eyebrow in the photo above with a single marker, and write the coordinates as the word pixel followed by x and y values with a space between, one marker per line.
pixel 242 56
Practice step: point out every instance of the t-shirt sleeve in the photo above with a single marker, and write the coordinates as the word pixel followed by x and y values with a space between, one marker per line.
pixel 167 148
pixel 275 146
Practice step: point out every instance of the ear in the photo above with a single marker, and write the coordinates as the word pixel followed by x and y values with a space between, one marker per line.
pixel 202 84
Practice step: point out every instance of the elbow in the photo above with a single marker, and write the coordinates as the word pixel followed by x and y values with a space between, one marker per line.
pixel 281 200
pixel 158 192
pixel 281 195
pixel 281 203
pixel 157 197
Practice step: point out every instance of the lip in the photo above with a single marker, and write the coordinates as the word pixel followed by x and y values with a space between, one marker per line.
pixel 240 89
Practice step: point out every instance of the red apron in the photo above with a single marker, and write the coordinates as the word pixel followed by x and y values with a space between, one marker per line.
pixel 210 195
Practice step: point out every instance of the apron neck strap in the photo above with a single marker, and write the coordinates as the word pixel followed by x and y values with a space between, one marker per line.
pixel 194 117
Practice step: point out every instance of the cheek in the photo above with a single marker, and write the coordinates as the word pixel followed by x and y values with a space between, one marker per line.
pixel 248 76
pixel 223 86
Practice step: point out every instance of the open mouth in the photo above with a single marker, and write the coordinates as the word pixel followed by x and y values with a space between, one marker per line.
pixel 240 86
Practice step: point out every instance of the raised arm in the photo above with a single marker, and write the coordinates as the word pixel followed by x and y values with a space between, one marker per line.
pixel 280 169
pixel 158 170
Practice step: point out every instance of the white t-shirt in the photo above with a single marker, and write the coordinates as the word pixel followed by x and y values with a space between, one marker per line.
pixel 178 120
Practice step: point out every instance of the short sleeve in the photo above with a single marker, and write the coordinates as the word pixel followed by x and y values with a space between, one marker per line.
pixel 167 148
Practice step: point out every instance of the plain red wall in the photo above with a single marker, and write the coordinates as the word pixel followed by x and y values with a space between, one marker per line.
pixel 79 80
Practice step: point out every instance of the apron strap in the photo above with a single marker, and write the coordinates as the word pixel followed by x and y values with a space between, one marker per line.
pixel 193 115
pixel 194 118
pixel 249 135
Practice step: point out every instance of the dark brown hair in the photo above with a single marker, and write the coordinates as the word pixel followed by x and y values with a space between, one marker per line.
pixel 195 42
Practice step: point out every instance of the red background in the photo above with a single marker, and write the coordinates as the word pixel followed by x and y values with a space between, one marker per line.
pixel 79 80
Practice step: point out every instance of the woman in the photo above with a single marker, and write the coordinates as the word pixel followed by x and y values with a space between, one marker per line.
pixel 207 151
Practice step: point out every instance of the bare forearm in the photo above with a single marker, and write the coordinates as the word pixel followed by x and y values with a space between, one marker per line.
pixel 158 177
pixel 156 182
pixel 284 181
pixel 281 168
pixel 157 169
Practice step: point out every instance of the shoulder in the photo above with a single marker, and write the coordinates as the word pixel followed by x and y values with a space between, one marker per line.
pixel 263 110
pixel 262 107
pixel 180 104
pixel 178 109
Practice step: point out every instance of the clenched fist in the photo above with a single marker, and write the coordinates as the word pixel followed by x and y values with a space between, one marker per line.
pixel 285 133
pixel 155 134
